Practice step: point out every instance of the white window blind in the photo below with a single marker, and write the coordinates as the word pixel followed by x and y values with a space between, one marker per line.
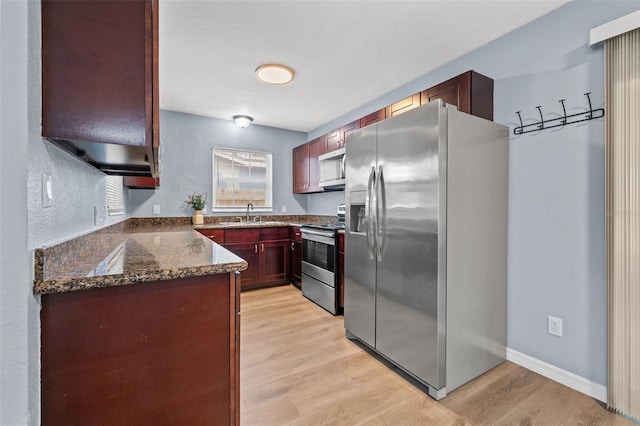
pixel 115 195
pixel 241 177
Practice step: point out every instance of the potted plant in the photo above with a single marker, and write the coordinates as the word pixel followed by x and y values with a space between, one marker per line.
pixel 197 202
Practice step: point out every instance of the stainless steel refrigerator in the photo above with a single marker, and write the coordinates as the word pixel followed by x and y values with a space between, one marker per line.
pixel 426 243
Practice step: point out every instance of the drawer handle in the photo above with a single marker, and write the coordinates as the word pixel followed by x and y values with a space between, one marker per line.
pixel 255 246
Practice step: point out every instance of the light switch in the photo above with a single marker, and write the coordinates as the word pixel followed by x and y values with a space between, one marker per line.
pixel 47 190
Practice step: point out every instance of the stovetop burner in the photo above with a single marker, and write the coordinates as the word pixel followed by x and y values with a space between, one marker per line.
pixel 325 226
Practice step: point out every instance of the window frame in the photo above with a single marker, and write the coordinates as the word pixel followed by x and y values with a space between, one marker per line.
pixel 236 209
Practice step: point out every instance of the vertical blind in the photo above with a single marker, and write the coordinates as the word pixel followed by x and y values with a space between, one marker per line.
pixel 622 157
pixel 115 197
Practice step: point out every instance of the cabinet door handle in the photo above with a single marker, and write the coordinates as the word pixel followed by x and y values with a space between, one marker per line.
pixel 212 237
pixel 255 247
pixel 262 246
pixel 292 246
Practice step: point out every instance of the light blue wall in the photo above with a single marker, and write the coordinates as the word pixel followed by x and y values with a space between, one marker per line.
pixel 325 203
pixel 186 162
pixel 78 188
pixel 556 180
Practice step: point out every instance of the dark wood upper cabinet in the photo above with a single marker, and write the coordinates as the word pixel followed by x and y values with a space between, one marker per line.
pixel 305 166
pixel 471 92
pixel 403 105
pixel 374 117
pixel 300 169
pixel 336 139
pixel 317 147
pixel 141 182
pixel 347 129
pixel 100 82
pixel 333 140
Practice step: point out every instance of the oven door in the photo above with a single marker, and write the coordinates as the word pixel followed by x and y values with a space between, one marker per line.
pixel 318 249
pixel 318 268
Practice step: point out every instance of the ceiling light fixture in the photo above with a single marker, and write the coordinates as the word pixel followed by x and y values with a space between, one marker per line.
pixel 242 121
pixel 274 74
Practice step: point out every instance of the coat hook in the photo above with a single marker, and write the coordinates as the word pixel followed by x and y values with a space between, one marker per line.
pixel 590 107
pixel 521 125
pixel 559 121
pixel 564 121
pixel 541 126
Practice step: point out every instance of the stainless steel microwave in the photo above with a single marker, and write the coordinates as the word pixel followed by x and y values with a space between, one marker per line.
pixel 331 168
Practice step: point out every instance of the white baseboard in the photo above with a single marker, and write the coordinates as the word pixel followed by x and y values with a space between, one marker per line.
pixel 579 383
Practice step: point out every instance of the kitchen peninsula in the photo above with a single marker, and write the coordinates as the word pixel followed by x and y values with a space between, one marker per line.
pixel 140 325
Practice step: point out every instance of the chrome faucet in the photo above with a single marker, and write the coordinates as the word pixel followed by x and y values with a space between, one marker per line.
pixel 250 204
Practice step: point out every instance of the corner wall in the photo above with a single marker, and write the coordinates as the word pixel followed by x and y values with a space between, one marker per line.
pixel 556 263
pixel 78 187
pixel 186 162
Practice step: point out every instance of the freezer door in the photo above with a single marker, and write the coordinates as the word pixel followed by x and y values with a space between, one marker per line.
pixel 360 264
pixel 410 287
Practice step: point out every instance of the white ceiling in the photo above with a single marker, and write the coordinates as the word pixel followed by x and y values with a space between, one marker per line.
pixel 344 53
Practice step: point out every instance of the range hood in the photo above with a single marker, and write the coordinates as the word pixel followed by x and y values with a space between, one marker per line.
pixel 113 159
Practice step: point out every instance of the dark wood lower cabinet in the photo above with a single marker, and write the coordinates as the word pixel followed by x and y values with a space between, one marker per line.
pixel 164 352
pixel 266 250
pixel 296 263
pixel 274 261
pixel 249 252
pixel 341 271
pixel 296 256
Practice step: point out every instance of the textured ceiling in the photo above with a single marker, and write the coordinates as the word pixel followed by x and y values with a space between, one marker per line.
pixel 344 53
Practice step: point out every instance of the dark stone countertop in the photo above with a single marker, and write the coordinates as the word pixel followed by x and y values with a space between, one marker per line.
pixel 133 256
pixel 140 250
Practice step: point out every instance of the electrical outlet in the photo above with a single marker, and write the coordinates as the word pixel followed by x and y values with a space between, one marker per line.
pixel 156 209
pixel 284 208
pixel 555 326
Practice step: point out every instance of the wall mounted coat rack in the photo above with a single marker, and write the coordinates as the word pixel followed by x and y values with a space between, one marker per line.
pixel 560 121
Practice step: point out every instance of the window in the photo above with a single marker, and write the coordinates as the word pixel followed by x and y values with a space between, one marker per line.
pixel 115 197
pixel 240 177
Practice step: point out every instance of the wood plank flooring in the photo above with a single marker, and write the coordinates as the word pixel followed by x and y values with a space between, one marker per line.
pixel 297 368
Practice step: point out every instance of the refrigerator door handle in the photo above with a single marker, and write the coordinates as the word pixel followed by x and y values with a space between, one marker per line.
pixel 369 218
pixel 381 214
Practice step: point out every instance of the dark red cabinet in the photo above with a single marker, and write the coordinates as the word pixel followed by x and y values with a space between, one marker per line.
pixel 164 352
pixel 100 82
pixel 471 92
pixel 296 256
pixel 337 138
pixel 374 117
pixel 305 166
pixel 266 251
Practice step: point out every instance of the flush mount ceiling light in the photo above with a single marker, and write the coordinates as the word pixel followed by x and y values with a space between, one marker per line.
pixel 274 74
pixel 242 121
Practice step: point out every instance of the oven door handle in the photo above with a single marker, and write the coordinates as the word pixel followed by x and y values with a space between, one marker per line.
pixel 320 237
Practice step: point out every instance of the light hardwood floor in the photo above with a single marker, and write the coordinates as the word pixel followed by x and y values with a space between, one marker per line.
pixel 297 368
